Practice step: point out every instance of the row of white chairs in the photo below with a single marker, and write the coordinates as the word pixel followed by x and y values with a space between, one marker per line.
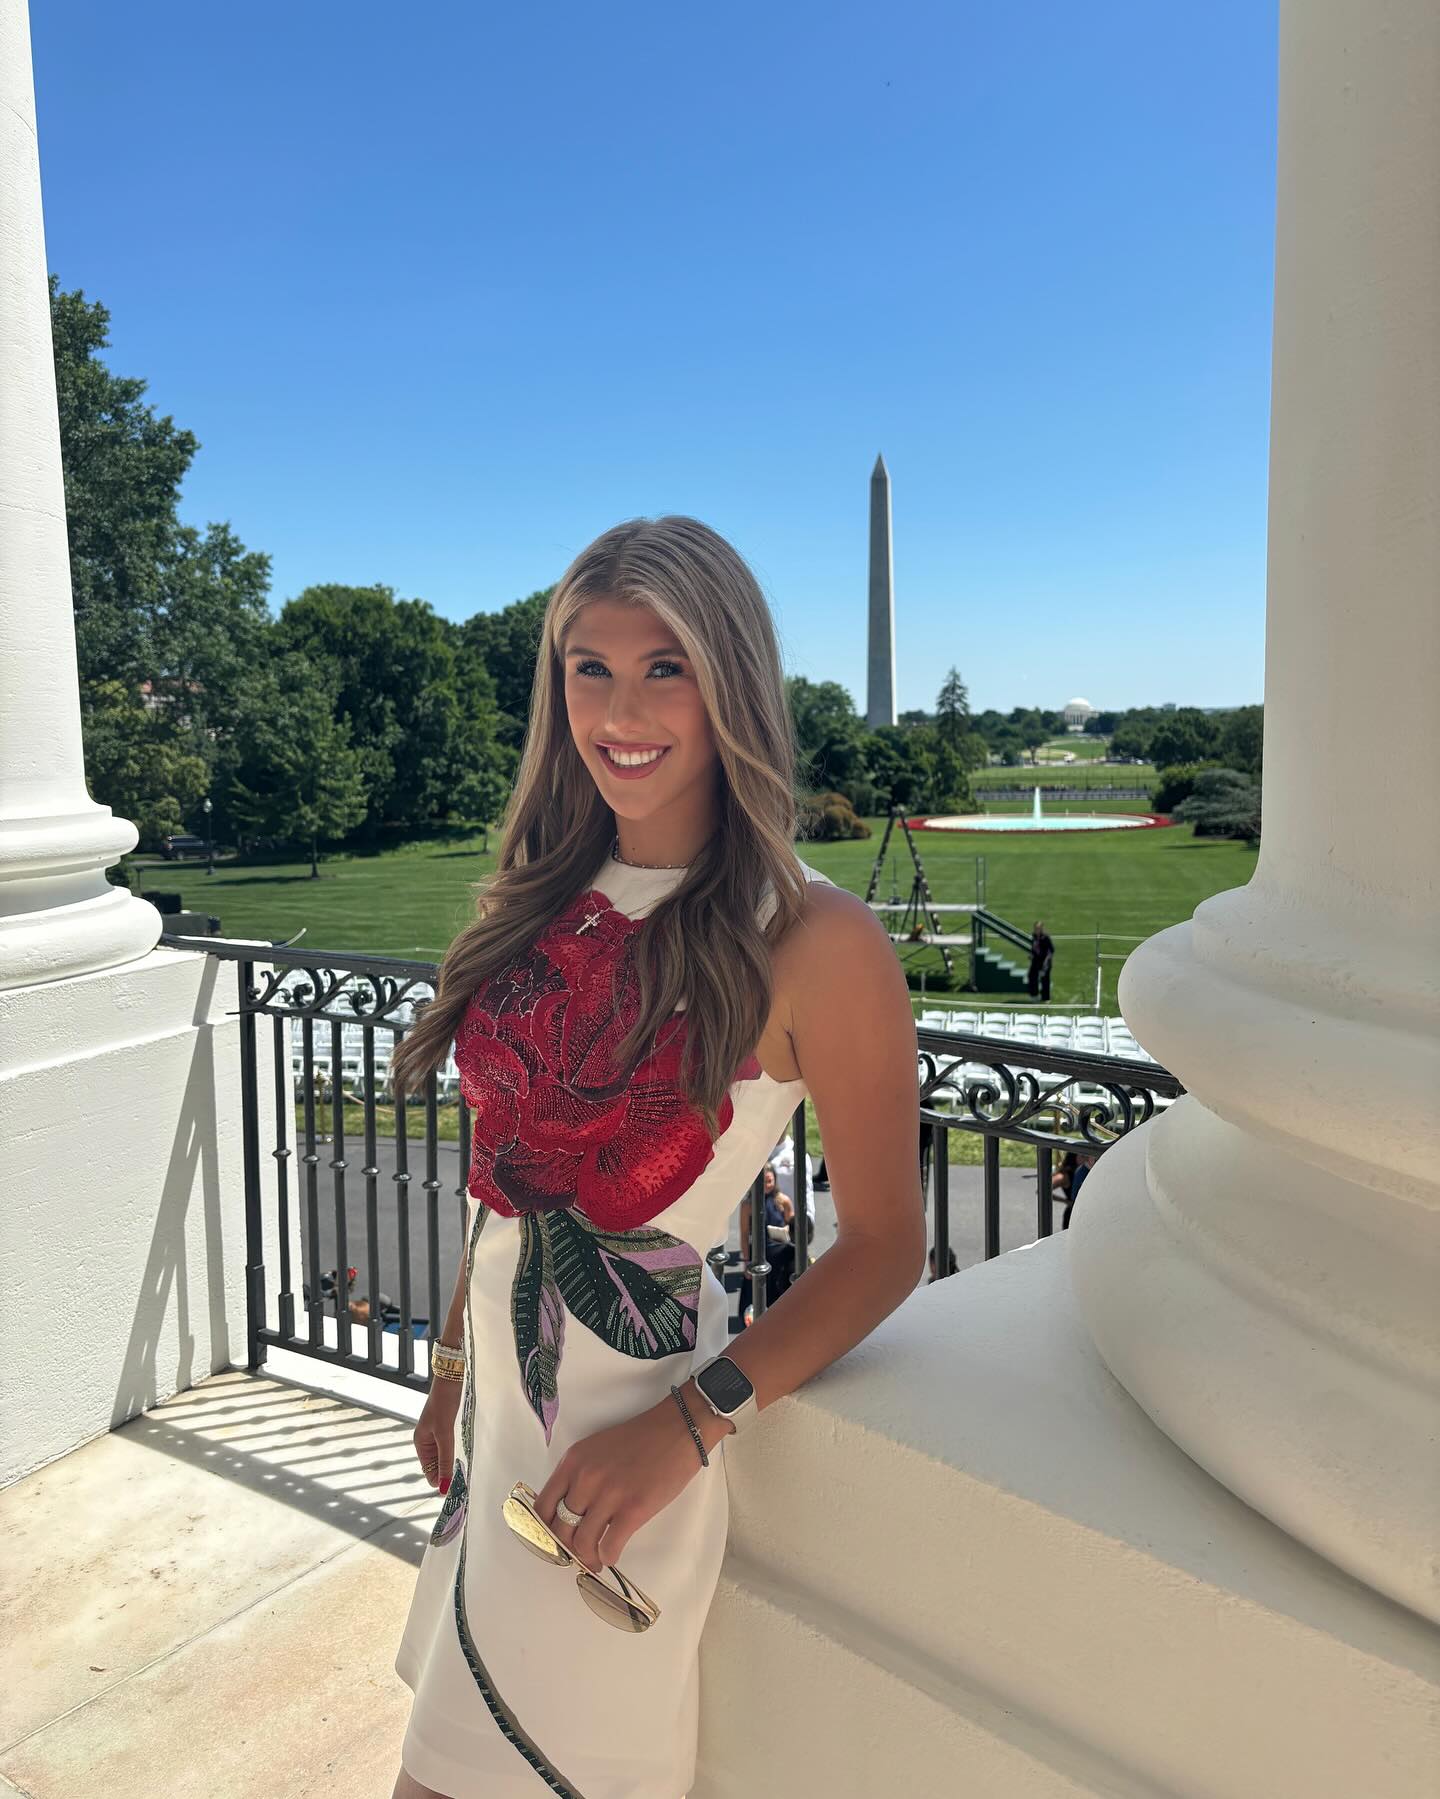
pixel 1087 1031
pixel 352 1079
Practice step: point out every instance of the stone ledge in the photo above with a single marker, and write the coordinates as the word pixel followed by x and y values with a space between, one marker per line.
pixel 806 1711
pixel 1044 1543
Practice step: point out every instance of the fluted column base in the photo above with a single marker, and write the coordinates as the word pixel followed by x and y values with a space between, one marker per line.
pixel 59 915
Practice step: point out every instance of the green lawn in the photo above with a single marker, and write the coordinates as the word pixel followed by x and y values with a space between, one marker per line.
pixel 411 901
pixel 1079 745
pixel 1131 883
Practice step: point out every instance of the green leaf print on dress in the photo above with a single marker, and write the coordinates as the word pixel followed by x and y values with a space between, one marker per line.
pixel 639 1291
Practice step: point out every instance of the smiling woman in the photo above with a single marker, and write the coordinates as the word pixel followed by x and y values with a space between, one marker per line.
pixel 637 716
pixel 644 998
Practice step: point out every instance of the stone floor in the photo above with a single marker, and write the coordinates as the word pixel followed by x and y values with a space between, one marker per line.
pixel 206 1601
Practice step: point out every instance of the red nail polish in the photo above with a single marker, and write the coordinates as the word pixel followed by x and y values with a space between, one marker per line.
pixel 445 1485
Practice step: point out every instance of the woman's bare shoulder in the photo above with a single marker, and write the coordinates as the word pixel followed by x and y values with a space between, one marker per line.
pixel 832 923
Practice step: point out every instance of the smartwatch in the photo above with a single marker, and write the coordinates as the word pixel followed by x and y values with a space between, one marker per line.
pixel 726 1390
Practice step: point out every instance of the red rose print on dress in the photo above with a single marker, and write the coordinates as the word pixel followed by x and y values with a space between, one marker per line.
pixel 585 1151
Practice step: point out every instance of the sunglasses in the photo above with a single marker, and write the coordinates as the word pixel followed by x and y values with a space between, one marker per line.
pixel 626 1608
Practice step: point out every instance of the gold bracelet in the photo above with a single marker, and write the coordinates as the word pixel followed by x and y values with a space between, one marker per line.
pixel 446 1362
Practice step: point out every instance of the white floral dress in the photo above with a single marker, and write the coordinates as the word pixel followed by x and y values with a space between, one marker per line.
pixel 587 1297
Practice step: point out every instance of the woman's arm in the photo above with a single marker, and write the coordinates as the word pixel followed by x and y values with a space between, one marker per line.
pixel 854 1042
pixel 453 1333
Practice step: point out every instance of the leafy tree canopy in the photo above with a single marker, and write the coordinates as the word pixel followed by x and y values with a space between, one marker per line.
pixel 1224 802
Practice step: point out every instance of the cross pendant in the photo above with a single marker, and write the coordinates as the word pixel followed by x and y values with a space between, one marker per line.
pixel 591 918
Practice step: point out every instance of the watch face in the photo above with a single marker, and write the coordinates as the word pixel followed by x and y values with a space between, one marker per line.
pixel 723 1382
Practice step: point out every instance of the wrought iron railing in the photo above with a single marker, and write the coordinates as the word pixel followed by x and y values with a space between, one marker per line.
pixel 348 1011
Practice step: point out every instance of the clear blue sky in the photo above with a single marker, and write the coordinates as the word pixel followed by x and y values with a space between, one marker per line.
pixel 446 291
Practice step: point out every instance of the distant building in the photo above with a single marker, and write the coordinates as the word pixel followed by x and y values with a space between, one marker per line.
pixel 1078 714
pixel 153 696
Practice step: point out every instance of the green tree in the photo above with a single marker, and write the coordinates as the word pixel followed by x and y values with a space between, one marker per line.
pixel 1240 739
pixel 155 601
pixel 507 643
pixel 123 467
pixel 1223 803
pixel 1176 784
pixel 302 779
pixel 136 764
pixel 954 727
pixel 209 628
pixel 1034 734
pixel 828 734
pixel 898 765
pixel 1131 740
pixel 949 782
pixel 1186 735
pixel 418 699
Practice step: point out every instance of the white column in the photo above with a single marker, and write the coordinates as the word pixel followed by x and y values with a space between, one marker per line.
pixel 1261 1267
pixel 58 914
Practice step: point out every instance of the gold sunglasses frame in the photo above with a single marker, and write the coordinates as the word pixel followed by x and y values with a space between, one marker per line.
pixel 639 1610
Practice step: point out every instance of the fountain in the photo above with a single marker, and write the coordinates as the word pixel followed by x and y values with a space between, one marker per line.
pixel 1038 821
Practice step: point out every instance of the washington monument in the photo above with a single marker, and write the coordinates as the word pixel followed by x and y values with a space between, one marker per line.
pixel 880 683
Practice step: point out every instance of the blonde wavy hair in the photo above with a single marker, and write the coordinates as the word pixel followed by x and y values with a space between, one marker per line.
pixel 704 942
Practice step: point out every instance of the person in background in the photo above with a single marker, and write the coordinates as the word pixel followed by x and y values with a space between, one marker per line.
pixel 1084 1162
pixel 779 1232
pixel 953 1266
pixel 782 1160
pixel 1042 955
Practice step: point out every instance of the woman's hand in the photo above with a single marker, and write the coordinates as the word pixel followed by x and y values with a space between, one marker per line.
pixel 619 1478
pixel 434 1437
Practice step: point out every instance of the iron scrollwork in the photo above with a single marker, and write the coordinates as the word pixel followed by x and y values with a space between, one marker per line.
pixel 322 987
pixel 1028 1106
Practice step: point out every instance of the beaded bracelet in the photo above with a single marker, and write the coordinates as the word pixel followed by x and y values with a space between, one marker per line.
pixel 679 1399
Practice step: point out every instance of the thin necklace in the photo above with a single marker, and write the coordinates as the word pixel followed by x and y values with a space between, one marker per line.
pixel 654 866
